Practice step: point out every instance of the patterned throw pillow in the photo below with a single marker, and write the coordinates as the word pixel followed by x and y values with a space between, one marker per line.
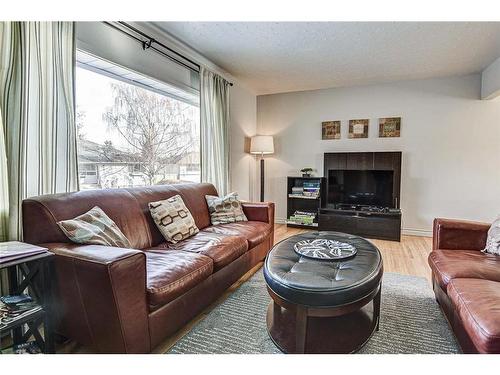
pixel 173 219
pixel 493 240
pixel 224 210
pixel 94 228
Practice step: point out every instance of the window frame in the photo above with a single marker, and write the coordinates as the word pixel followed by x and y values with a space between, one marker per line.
pixel 106 73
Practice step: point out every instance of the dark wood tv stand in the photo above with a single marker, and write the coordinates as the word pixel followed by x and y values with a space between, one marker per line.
pixel 372 224
pixel 380 225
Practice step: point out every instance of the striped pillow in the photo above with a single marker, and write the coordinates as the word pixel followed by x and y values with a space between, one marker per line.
pixel 94 228
pixel 226 209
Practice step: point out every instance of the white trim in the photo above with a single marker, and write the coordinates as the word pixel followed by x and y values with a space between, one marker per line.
pixel 416 232
pixel 180 86
pixel 279 220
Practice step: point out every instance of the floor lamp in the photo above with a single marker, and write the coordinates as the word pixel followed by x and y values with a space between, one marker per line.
pixel 262 145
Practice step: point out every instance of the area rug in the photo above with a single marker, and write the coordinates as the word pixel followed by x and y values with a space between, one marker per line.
pixel 411 322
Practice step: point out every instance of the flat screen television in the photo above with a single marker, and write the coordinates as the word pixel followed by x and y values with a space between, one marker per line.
pixel 357 187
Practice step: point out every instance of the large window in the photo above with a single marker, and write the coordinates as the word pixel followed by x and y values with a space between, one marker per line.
pixel 133 132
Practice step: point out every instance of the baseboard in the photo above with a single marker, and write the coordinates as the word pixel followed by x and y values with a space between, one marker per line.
pixel 416 232
pixel 279 220
pixel 404 231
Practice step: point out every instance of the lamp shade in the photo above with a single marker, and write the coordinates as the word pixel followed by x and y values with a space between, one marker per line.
pixel 262 144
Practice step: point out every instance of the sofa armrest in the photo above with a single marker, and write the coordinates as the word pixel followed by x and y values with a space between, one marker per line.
pixel 100 296
pixel 451 234
pixel 263 211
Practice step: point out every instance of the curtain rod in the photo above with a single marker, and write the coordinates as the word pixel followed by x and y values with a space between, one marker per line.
pixel 149 44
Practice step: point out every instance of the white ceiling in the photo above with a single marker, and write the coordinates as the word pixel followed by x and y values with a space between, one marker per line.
pixel 273 57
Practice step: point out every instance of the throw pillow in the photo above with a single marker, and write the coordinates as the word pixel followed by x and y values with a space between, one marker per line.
pixel 173 219
pixel 226 209
pixel 94 228
pixel 493 240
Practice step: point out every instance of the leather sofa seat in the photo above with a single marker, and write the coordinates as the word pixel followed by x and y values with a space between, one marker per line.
pixel 477 303
pixel 255 232
pixel 451 264
pixel 172 273
pixel 221 248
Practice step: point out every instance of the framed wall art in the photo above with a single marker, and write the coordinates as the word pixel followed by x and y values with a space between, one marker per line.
pixel 330 130
pixel 389 127
pixel 358 128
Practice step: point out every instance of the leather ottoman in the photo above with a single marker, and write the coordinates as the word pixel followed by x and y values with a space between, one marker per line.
pixel 323 306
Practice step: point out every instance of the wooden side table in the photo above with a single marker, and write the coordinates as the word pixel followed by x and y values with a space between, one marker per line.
pixel 31 274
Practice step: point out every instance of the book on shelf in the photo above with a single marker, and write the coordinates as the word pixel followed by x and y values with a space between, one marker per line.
pixel 300 222
pixel 311 184
pixel 311 194
pixel 302 217
pixel 30 347
pixel 305 213
pixel 15 308
pixel 303 196
pixel 310 189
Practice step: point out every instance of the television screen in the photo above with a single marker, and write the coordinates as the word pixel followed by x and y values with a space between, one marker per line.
pixel 373 188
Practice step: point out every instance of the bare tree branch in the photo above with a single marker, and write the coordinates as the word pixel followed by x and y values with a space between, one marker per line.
pixel 157 128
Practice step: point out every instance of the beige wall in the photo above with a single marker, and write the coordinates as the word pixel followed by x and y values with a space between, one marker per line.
pixel 450 142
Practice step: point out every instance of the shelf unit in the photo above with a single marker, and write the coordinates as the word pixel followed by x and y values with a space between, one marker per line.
pixel 304 203
pixel 380 225
pixel 32 275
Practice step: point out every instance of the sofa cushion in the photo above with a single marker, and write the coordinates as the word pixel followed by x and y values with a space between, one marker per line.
pixel 253 231
pixel 221 248
pixel 477 302
pixel 172 273
pixel 451 264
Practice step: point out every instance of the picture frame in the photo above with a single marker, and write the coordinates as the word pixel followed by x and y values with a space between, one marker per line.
pixel 358 128
pixel 330 130
pixel 389 127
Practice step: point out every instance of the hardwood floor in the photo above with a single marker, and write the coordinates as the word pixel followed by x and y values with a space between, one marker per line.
pixel 407 257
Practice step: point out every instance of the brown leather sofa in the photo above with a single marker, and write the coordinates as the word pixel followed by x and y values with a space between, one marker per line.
pixel 117 300
pixel 466 283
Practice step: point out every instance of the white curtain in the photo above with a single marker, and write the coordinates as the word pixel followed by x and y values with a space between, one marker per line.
pixel 4 187
pixel 214 112
pixel 37 107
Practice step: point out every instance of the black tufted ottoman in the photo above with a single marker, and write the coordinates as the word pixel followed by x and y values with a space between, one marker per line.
pixel 322 306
